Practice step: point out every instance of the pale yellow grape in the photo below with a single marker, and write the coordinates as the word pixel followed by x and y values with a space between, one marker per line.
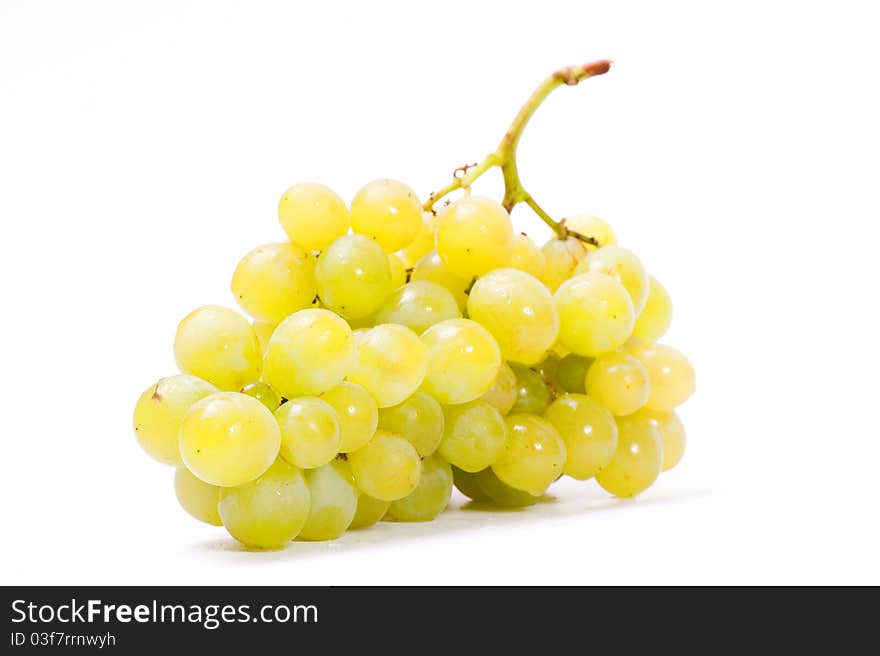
pixel 526 256
pixel 391 363
pixel 430 497
pixel 533 455
pixel 589 432
pixel 312 215
pixel 160 411
pixel 196 497
pixel 369 511
pixel 637 460
pixel 532 394
pixel 618 381
pixel 671 375
pixel 309 353
pixel 228 439
pixel 672 435
pixel 463 360
pixel 503 393
pixel 357 413
pixel 264 394
pixel 398 271
pixel 275 280
pixel 501 493
pixel 595 314
pixel 268 512
pixel 263 330
pixel 571 373
pixel 419 420
pixel 422 244
pixel 655 319
pixel 218 345
pixel 474 235
pixel 334 501
pixel 622 265
pixel 431 268
pixel 592 226
pixel 519 312
pixel 561 256
pixel 388 212
pixel 309 432
pixel 418 305
pixel 387 468
pixel 354 276
pixel 468 485
pixel 474 435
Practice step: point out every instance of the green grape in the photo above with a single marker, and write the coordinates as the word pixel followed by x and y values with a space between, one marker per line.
pixel 310 352
pixel 519 312
pixel 474 435
pixel 623 266
pixel 432 269
pixel 309 432
pixel 196 497
pixel 422 244
pixel 501 493
pixel 430 497
pixel 463 360
pixel 589 433
pixel 160 410
pixel 419 420
pixel 391 363
pixel 532 394
pixel 619 382
pixel 671 375
pixel 388 212
pixel 275 280
pixel 228 439
pixel 263 330
pixel 357 413
pixel 218 345
pixel 369 511
pixel 547 368
pixel 398 271
pixel 264 394
pixel 672 435
pixel 474 236
pixel 334 501
pixel 418 305
pixel 595 314
pixel 468 484
pixel 526 256
pixel 503 393
pixel 561 256
pixel 268 512
pixel 592 226
pixel 654 320
pixel 387 468
pixel 533 455
pixel 312 215
pixel 354 276
pixel 572 371
pixel 637 460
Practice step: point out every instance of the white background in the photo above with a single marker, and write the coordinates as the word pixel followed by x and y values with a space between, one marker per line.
pixel 734 146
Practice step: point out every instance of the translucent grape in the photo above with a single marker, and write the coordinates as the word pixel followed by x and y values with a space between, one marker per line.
pixel 398 271
pixel 387 468
pixel 430 497
pixel 672 435
pixel 618 381
pixel 561 256
pixel 595 314
pixel 196 497
pixel 432 269
pixel 275 280
pixel 572 371
pixel 369 511
pixel 263 330
pixel 268 512
pixel 419 420
pixel 503 393
pixel 547 368
pixel 388 212
pixel 422 244
pixel 526 256
pixel 519 312
pixel 309 353
pixel 228 439
pixel 655 319
pixel 474 235
pixel 474 435
pixel 467 483
pixel 334 501
pixel 309 432
pixel 218 345
pixel 160 411
pixel 501 493
pixel 637 460
pixel 357 413
pixel 264 394
pixel 354 276
pixel 312 215
pixel 391 363
pixel 589 433
pixel 671 375
pixel 533 455
pixel 532 394
pixel 418 305
pixel 463 360
pixel 592 226
pixel 623 266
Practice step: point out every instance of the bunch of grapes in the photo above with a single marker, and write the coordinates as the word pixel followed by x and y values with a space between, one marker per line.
pixel 396 350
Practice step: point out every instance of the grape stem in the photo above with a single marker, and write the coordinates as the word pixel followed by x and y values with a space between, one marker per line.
pixel 504 156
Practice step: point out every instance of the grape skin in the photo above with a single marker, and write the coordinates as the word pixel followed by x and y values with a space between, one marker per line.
pixel 656 318
pixel 388 468
pixel 391 363
pixel 388 212
pixel 532 394
pixel 671 375
pixel 419 420
pixel 533 456
pixel 463 360
pixel 369 511
pixel 619 382
pixel 334 500
pixel 637 460
pixel 474 435
pixel 672 435
pixel 589 432
pixel 622 265
pixel 418 305
pixel 432 268
pixel 357 413
pixel 593 227
pixel 430 497
pixel 353 276
pixel 474 235
pixel 503 393
pixel 312 215
pixel 595 313
pixel 196 497
pixel 572 372
pixel 264 394
pixel 309 432
pixel 275 280
pixel 526 256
